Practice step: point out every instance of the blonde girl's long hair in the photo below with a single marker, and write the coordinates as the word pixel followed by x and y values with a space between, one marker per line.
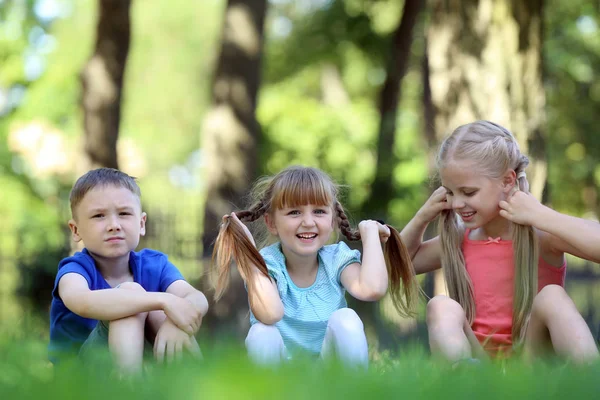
pixel 493 150
pixel 292 187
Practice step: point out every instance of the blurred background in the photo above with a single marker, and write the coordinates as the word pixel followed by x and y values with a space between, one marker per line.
pixel 198 98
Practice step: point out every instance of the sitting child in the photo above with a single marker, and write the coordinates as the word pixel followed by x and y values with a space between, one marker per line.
pixel 110 296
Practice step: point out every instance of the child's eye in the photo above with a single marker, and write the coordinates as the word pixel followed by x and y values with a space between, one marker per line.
pixel 125 213
pixel 320 211
pixel 98 216
pixel 293 212
pixel 469 194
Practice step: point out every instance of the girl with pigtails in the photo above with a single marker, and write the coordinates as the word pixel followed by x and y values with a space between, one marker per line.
pixel 296 286
pixel 502 253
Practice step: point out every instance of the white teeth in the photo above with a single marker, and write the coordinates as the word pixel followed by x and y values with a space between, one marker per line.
pixel 307 236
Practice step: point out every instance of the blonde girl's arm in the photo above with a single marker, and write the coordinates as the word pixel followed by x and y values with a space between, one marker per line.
pixel 235 242
pixel 368 281
pixel 425 256
pixel 576 236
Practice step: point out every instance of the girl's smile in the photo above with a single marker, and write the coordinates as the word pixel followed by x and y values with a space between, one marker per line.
pixel 302 230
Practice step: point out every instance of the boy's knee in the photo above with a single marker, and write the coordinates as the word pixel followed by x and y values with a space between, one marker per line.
pixel 346 319
pixel 443 307
pixel 131 286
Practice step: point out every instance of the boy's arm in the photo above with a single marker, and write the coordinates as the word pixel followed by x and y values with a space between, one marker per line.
pixel 183 289
pixel 112 304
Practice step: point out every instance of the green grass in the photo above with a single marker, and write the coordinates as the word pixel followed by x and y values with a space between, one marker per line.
pixel 227 374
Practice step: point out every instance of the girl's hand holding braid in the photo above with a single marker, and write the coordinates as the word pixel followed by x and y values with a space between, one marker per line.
pixel 434 205
pixel 374 226
pixel 522 208
pixel 237 220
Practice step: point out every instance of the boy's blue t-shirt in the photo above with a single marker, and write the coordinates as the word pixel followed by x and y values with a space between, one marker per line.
pixel 150 268
pixel 307 310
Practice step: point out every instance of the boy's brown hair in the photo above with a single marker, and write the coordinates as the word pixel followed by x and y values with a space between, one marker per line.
pixel 101 177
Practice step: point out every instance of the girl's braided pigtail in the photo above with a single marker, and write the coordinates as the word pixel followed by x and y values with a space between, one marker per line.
pixel 233 245
pixel 404 288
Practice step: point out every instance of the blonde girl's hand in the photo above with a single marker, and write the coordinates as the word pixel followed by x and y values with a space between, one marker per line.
pixel 520 208
pixel 369 227
pixel 244 227
pixel 435 204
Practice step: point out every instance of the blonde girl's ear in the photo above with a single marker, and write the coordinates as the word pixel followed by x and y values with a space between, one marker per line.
pixel 509 180
pixel 270 222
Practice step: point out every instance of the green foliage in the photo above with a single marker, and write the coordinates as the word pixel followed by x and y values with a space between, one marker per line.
pixel 353 39
pixel 227 374
pixel 572 59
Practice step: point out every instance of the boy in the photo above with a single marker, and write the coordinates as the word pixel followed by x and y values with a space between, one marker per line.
pixel 108 294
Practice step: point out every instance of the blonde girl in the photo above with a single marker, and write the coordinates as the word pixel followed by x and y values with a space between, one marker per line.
pixel 502 253
pixel 296 286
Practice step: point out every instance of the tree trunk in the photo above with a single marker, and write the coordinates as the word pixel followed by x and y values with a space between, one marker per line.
pixel 230 139
pixel 382 189
pixel 485 63
pixel 102 83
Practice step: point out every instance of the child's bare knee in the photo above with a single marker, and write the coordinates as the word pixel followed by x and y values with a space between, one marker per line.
pixel 131 286
pixel 550 300
pixel 139 318
pixel 442 308
pixel 550 293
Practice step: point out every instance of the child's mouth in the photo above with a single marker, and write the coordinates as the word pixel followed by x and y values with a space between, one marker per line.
pixel 467 216
pixel 306 236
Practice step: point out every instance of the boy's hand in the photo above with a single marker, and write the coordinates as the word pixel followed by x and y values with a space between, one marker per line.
pixel 237 220
pixel 171 341
pixel 369 226
pixel 434 205
pixel 183 314
pixel 520 208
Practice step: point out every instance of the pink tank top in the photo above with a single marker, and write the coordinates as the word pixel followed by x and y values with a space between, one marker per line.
pixel 490 265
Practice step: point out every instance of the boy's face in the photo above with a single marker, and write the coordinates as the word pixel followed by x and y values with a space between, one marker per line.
pixel 109 220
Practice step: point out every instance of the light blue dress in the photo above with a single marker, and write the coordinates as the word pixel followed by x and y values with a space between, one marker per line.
pixel 307 310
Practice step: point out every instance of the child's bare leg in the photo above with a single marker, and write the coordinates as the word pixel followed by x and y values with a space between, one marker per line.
pixel 445 325
pixel 556 324
pixel 126 337
pixel 153 323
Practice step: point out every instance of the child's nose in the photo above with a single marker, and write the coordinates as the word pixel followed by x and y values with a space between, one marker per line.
pixel 113 224
pixel 308 220
pixel 457 202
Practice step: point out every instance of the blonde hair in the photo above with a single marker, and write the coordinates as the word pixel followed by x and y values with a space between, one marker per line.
pixel 493 150
pixel 292 187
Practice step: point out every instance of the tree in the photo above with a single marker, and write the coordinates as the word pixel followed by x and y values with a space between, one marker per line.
pixel 102 83
pixel 485 63
pixel 231 132
pixel 382 189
